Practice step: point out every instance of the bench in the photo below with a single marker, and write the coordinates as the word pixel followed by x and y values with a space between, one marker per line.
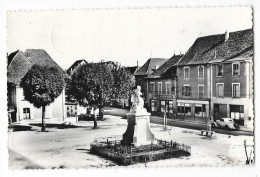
pixel 208 133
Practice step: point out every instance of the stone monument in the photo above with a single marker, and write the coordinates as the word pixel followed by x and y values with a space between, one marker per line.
pixel 138 130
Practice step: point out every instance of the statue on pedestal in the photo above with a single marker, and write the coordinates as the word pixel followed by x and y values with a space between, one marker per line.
pixel 137 101
pixel 138 130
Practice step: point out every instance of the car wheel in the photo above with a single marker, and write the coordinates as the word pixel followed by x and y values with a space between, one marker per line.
pixel 236 125
pixel 226 127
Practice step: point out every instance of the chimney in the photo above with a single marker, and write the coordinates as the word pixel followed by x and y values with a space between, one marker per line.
pixel 226 35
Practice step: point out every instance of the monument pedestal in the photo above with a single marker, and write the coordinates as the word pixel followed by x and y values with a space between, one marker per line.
pixel 138 130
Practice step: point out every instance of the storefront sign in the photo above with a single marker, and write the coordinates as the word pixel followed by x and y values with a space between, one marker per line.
pixel 166 96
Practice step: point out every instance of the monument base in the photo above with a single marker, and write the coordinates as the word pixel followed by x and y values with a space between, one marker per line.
pixel 138 130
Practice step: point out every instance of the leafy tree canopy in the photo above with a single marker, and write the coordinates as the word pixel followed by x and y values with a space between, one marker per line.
pixel 123 82
pixel 92 84
pixel 42 84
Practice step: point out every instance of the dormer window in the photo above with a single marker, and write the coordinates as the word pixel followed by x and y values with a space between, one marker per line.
pixel 28 55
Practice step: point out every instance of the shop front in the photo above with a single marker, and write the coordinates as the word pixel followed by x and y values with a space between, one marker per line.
pixel 163 104
pixel 192 108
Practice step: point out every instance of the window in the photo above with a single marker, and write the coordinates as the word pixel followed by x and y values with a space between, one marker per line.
pixel 235 90
pixel 237 114
pixel 153 105
pixel 220 90
pixel 162 106
pixel 26 113
pixel 159 88
pixel 186 90
pixel 186 72
pixel 219 69
pixel 201 72
pixel 151 87
pixel 235 69
pixel 168 88
pixel 200 110
pixel 201 90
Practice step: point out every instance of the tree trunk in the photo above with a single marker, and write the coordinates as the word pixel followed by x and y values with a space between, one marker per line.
pixel 43 119
pixel 95 120
pixel 101 113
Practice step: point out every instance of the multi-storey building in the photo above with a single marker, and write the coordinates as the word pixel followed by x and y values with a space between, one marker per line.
pixel 147 69
pixel 19 63
pixel 215 78
pixel 161 88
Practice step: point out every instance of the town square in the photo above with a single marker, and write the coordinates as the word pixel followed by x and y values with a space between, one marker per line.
pixel 166 87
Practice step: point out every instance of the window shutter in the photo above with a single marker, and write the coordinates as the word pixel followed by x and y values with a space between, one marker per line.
pixel 238 91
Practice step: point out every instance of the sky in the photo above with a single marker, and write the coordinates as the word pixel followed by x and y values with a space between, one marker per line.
pixel 122 35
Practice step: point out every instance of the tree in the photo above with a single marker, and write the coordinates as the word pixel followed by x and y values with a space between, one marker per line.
pixel 41 85
pixel 91 86
pixel 123 82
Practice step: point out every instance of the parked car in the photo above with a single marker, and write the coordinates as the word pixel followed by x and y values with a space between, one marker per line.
pixel 226 123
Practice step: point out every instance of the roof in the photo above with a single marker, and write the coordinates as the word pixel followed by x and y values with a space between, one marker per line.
pixel 166 66
pixel 132 69
pixel 20 64
pixel 150 65
pixel 75 64
pixel 11 56
pixel 18 67
pixel 41 57
pixel 208 48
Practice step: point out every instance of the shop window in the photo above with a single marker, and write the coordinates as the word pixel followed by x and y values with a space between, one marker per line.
pixel 201 72
pixel 235 69
pixel 237 113
pixel 200 110
pixel 162 106
pixel 170 107
pixel 184 109
pixel 219 70
pixel 235 90
pixel 153 105
pixel 220 90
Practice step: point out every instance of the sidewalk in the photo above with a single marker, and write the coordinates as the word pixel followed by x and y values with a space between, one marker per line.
pixel 191 120
pixel 198 121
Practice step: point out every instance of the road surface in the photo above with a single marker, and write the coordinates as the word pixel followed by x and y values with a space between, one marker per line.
pixel 159 120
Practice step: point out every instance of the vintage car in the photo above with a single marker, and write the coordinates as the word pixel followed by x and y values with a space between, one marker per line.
pixel 226 123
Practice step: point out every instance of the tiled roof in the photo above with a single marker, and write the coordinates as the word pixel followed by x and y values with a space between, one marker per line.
pixel 149 67
pixel 214 47
pixel 132 69
pixel 17 68
pixel 20 64
pixel 166 66
pixel 11 56
pixel 75 64
pixel 41 57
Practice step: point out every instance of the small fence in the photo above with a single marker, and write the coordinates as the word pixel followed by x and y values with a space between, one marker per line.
pixel 127 155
